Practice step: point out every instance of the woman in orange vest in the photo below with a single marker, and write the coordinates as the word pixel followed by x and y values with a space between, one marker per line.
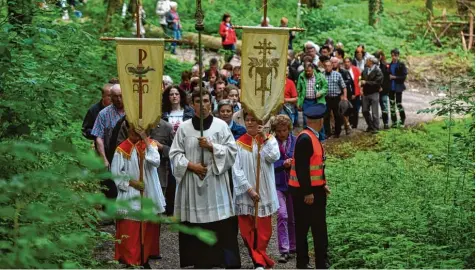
pixel 307 184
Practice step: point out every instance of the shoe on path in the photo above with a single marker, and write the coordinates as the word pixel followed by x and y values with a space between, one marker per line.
pixel 284 258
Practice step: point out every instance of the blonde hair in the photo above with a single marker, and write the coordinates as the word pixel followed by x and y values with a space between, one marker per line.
pixel 280 120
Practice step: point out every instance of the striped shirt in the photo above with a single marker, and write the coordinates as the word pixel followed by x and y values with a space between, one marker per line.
pixel 107 119
pixel 335 84
pixel 310 89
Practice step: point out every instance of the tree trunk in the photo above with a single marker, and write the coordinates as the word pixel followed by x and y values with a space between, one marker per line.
pixel 20 11
pixel 429 8
pixel 313 3
pixel 113 6
pixel 380 7
pixel 209 42
pixel 373 8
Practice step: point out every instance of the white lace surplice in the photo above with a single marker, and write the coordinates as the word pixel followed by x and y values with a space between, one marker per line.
pixel 124 169
pixel 207 200
pixel 244 177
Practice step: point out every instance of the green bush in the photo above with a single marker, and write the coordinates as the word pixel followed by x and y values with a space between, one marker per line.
pixel 412 201
pixel 51 72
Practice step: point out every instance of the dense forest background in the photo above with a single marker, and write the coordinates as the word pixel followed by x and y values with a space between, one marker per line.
pixel 403 199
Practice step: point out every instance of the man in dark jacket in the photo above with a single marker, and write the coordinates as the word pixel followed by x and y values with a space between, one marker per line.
pixel 386 86
pixel 398 74
pixel 293 64
pixel 309 193
pixel 372 79
pixel 92 114
pixel 349 84
pixel 109 187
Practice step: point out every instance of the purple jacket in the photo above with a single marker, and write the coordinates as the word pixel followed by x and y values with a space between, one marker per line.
pixel 282 175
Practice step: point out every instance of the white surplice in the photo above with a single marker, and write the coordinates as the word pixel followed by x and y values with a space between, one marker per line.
pixel 125 167
pixel 244 176
pixel 210 199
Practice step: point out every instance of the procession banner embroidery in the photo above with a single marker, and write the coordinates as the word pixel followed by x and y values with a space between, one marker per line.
pixel 141 61
pixel 264 53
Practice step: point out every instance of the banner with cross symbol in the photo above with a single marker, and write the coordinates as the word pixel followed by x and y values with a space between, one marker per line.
pixel 263 69
pixel 140 65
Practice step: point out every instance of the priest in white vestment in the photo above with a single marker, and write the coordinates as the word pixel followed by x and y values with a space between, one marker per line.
pixel 203 198
pixel 244 179
pixel 125 170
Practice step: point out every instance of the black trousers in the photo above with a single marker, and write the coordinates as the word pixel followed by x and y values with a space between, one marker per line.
pixel 396 97
pixel 109 188
pixel 314 217
pixel 354 117
pixel 332 105
pixel 224 253
pixel 170 193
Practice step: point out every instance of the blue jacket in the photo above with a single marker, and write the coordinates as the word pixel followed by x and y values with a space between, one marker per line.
pixel 400 71
pixel 281 174
pixel 237 130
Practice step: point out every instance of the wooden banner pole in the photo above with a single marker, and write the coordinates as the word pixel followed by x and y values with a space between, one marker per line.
pixel 200 27
pixel 141 158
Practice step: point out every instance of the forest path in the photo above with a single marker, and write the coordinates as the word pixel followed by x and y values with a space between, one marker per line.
pixel 414 99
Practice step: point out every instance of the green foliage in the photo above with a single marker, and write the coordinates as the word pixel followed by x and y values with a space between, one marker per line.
pixel 412 201
pixel 50 73
pixel 174 69
pixel 46 221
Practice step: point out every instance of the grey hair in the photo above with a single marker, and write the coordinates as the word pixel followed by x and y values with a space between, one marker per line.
pixel 373 59
pixel 167 80
pixel 224 102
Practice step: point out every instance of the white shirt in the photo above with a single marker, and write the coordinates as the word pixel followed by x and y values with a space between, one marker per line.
pixel 125 167
pixel 176 118
pixel 210 199
pixel 244 177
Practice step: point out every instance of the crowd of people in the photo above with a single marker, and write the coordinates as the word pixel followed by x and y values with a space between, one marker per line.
pixel 209 181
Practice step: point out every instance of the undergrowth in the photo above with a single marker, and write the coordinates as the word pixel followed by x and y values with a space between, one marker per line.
pixel 408 203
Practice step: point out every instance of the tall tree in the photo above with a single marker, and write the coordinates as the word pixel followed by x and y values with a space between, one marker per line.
pixel 113 7
pixel 429 7
pixel 380 7
pixel 20 11
pixel 373 9
pixel 313 3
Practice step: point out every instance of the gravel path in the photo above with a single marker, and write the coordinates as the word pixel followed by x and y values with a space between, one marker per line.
pixel 170 254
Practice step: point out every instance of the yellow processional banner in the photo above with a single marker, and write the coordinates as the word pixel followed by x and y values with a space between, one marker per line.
pixel 140 65
pixel 264 54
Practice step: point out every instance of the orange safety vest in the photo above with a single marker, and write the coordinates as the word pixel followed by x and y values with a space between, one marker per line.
pixel 316 163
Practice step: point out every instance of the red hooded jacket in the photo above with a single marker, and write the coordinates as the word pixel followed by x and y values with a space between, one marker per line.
pixel 228 35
